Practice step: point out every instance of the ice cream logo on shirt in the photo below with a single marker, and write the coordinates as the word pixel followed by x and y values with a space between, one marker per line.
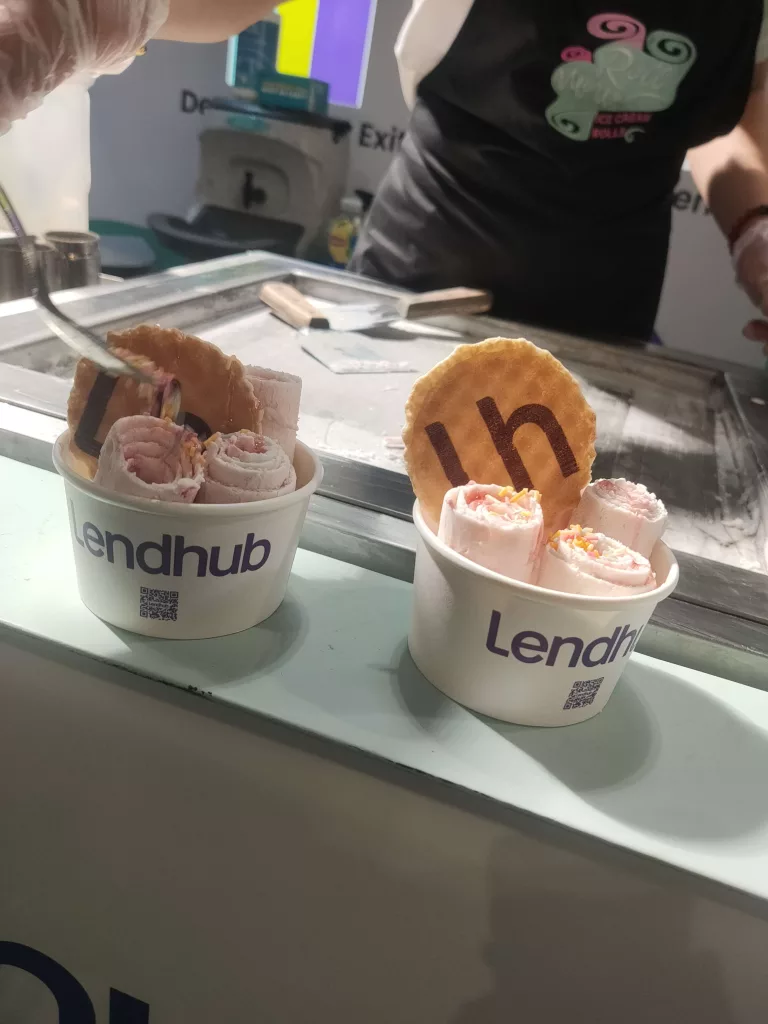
pixel 613 92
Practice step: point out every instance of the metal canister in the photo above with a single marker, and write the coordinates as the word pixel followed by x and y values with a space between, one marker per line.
pixel 15 281
pixel 80 263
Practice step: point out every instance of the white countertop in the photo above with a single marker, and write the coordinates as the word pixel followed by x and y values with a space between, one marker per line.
pixel 675 768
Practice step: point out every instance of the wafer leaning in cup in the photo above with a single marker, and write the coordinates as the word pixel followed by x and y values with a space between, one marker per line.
pixel 215 392
pixel 580 561
pixel 497 527
pixel 244 466
pixel 501 411
pixel 148 457
pixel 626 511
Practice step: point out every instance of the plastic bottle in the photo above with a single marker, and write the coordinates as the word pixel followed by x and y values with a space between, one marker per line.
pixel 253 53
pixel 45 162
pixel 344 229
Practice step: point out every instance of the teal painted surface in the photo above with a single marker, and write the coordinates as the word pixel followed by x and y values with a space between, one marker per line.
pixel 164 258
pixel 289 92
pixel 247 123
pixel 675 768
pixel 252 53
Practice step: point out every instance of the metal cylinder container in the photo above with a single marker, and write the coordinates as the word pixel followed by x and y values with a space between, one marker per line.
pixel 80 259
pixel 15 282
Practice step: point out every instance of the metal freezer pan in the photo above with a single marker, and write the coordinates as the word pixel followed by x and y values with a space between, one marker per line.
pixel 694 432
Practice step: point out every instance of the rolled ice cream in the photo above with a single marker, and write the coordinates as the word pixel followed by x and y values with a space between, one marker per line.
pixel 148 457
pixel 581 561
pixel 244 466
pixel 626 511
pixel 496 527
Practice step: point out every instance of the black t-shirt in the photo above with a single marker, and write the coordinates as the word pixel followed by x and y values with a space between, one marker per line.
pixel 544 149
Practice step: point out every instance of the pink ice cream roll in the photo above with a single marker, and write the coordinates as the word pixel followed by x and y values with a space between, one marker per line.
pixel 279 395
pixel 496 527
pixel 146 457
pixel 628 512
pixel 245 467
pixel 580 561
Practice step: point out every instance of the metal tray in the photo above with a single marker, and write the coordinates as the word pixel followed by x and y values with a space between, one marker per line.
pixel 696 434
pixel 677 428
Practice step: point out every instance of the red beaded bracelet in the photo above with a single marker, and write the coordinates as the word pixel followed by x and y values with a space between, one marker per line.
pixel 746 218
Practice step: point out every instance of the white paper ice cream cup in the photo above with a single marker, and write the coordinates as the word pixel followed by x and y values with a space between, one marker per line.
pixel 515 651
pixel 184 571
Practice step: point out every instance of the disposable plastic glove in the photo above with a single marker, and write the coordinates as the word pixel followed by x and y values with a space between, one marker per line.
pixel 43 42
pixel 750 261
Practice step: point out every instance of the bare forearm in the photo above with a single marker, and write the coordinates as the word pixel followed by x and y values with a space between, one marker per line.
pixel 732 172
pixel 211 21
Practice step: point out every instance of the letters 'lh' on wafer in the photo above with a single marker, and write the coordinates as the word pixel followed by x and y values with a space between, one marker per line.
pixel 502 435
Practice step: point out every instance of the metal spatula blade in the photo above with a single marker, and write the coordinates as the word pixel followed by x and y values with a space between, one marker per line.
pixel 297 310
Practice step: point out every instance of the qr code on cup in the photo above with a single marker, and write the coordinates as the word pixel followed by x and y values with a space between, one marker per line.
pixel 582 693
pixel 158 604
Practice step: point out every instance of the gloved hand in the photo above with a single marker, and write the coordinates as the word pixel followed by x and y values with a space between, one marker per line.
pixel 750 261
pixel 43 42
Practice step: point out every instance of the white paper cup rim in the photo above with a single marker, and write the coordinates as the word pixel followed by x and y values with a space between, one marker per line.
pixel 178 509
pixel 542 595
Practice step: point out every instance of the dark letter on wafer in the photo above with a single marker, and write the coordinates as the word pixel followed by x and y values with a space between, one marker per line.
pixel 449 457
pixel 503 435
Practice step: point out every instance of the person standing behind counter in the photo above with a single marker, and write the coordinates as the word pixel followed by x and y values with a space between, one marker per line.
pixel 544 147
pixel 546 141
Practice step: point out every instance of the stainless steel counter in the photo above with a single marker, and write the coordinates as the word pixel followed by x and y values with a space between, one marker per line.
pixel 695 432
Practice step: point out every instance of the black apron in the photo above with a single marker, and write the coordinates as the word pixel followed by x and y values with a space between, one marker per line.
pixel 543 152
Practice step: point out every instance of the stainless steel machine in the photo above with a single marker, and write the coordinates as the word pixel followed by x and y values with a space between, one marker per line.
pixel 693 431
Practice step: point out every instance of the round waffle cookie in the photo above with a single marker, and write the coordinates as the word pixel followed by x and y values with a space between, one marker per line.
pixel 501 411
pixel 214 387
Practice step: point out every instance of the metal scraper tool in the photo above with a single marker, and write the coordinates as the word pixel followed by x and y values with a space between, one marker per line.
pixel 81 339
pixel 297 310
